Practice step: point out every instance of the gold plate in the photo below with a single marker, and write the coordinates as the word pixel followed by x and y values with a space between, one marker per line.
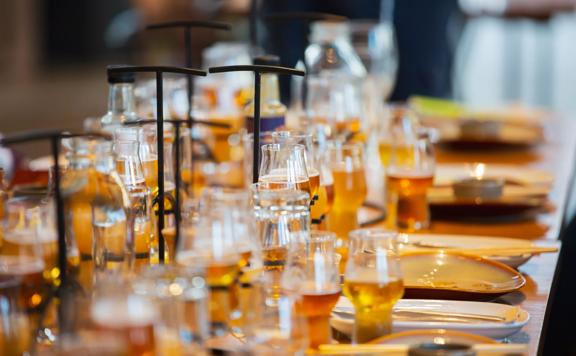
pixel 448 275
pixel 414 337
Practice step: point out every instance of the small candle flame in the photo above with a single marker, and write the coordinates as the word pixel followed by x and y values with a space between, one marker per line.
pixel 479 170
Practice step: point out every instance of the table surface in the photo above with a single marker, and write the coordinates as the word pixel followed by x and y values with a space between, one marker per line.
pixel 557 155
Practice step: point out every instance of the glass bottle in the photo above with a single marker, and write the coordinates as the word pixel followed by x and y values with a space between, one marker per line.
pixel 96 205
pixel 272 111
pixel 141 217
pixel 335 78
pixel 121 101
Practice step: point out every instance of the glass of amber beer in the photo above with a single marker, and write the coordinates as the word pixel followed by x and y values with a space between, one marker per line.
pixel 216 247
pixel 285 164
pixel 409 175
pixel 312 273
pixel 15 335
pixel 373 281
pixel 347 165
pixel 280 215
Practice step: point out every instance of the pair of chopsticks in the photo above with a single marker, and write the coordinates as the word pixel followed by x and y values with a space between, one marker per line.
pixel 402 350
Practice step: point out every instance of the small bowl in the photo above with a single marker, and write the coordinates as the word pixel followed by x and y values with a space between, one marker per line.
pixel 478 188
pixel 479 129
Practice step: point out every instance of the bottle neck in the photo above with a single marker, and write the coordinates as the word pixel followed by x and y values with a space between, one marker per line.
pixel 269 89
pixel 121 98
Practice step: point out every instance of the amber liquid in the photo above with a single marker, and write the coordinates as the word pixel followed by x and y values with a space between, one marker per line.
pixel 373 302
pixel 150 170
pixel 314 179
pixel 316 307
pixel 33 286
pixel 402 154
pixel 352 125
pixel 282 182
pixel 219 144
pixel 15 335
pixel 274 260
pixel 349 193
pixel 407 201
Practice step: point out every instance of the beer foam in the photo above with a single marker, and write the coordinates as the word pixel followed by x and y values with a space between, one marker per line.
pixel 129 312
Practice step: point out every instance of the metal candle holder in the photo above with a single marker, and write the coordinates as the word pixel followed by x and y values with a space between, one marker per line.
pixel 258 70
pixel 54 136
pixel 159 71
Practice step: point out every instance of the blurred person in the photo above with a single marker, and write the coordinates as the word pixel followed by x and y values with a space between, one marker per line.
pixel 427 33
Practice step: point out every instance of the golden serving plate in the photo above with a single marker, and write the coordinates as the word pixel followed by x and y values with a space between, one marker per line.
pixel 449 275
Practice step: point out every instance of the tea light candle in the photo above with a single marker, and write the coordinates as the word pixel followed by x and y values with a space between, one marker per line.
pixel 478 188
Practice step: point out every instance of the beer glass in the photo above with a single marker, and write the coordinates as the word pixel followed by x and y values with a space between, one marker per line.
pixel 409 175
pixel 141 218
pixel 277 328
pixel 181 296
pixel 215 245
pixel 247 144
pixel 312 273
pixel 291 138
pixel 283 164
pixel 373 281
pixel 116 311
pixel 396 132
pixel 15 335
pixel 347 165
pixel 280 214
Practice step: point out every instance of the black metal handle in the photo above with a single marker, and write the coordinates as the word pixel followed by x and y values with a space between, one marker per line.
pixel 179 122
pixel 258 69
pixel 189 24
pixel 155 69
pixel 304 16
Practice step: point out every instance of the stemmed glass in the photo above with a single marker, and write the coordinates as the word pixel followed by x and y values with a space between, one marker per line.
pixel 283 164
pixel 409 175
pixel 312 273
pixel 373 281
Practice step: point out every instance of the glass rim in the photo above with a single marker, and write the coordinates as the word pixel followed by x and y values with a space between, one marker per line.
pixel 373 232
pixel 321 235
pixel 279 146
pixel 152 271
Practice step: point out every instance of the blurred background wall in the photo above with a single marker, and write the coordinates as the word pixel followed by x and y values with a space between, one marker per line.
pixel 53 55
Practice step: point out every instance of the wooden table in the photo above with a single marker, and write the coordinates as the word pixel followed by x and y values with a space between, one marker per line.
pixel 557 155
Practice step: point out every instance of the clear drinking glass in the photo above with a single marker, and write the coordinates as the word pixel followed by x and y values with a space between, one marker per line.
pixel 141 218
pixel 181 296
pixel 312 273
pixel 283 164
pixel 96 205
pixel 347 164
pixel 278 328
pixel 280 214
pixel 291 138
pixel 409 175
pixel 399 128
pixel 373 281
pixel 215 244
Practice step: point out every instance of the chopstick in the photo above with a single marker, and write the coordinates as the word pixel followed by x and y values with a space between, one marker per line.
pixel 402 350
pixel 486 251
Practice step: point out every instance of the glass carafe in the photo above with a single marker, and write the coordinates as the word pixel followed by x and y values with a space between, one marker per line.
pixel 96 205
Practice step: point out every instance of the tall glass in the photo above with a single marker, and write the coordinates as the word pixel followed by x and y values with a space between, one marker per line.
pixel 395 133
pixel 409 175
pixel 214 245
pixel 373 282
pixel 283 164
pixel 141 218
pixel 280 214
pixel 347 165
pixel 96 205
pixel 312 273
